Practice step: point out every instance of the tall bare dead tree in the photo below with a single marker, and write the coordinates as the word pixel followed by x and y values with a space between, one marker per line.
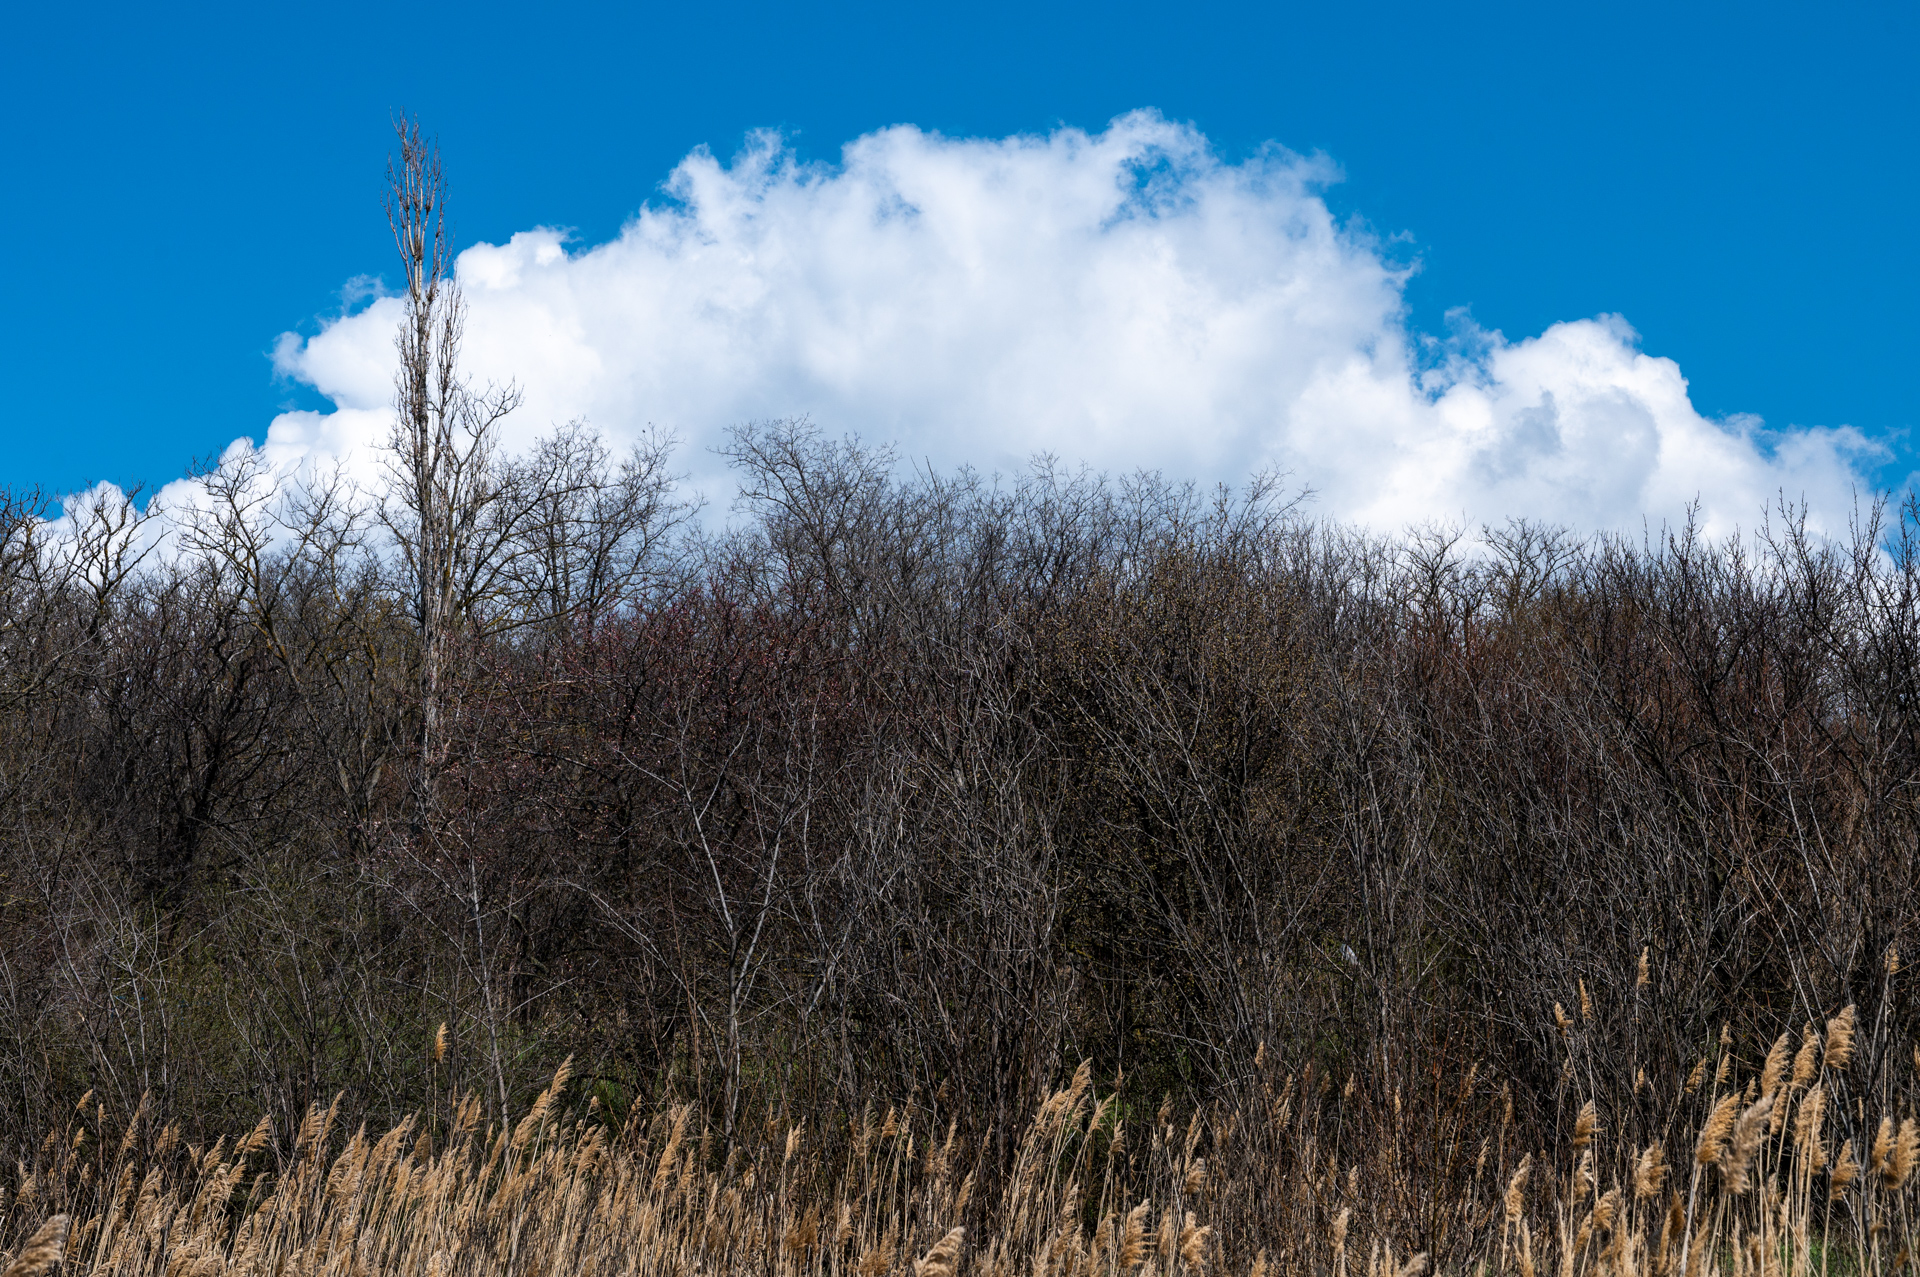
pixel 446 486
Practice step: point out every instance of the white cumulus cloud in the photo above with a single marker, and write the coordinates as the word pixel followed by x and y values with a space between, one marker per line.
pixel 1125 298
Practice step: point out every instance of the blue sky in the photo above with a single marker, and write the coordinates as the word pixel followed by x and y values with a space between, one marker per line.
pixel 1738 182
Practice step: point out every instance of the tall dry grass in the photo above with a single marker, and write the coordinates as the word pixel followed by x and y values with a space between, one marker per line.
pixel 1770 1166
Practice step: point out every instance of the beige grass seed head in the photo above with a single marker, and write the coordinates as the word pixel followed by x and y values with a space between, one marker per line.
pixel 1749 1133
pixel 1774 1071
pixel 1133 1239
pixel 1807 1125
pixel 1193 1243
pixel 46 1248
pixel 945 1255
pixel 1584 1124
pixel 1515 1199
pixel 1649 1172
pixel 1806 1062
pixel 1717 1131
pixel 1846 1168
pixel 1902 1157
pixel 1840 1040
pixel 1881 1151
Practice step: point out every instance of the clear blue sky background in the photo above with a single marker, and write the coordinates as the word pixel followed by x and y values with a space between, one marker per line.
pixel 186 182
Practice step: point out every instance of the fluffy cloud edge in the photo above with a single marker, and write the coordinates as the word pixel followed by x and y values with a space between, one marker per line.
pixel 1126 298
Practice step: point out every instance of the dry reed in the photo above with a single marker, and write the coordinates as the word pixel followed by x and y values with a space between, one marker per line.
pixel 1254 1186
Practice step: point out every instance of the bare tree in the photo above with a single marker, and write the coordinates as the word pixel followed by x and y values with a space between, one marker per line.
pixel 443 507
pixel 594 536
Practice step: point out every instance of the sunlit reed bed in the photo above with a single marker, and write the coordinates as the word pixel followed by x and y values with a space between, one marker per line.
pixel 1758 1181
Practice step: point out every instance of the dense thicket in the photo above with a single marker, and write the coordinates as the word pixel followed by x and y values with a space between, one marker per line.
pixel 929 788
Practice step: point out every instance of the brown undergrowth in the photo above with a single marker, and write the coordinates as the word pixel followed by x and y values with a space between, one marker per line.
pixel 1774 1169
